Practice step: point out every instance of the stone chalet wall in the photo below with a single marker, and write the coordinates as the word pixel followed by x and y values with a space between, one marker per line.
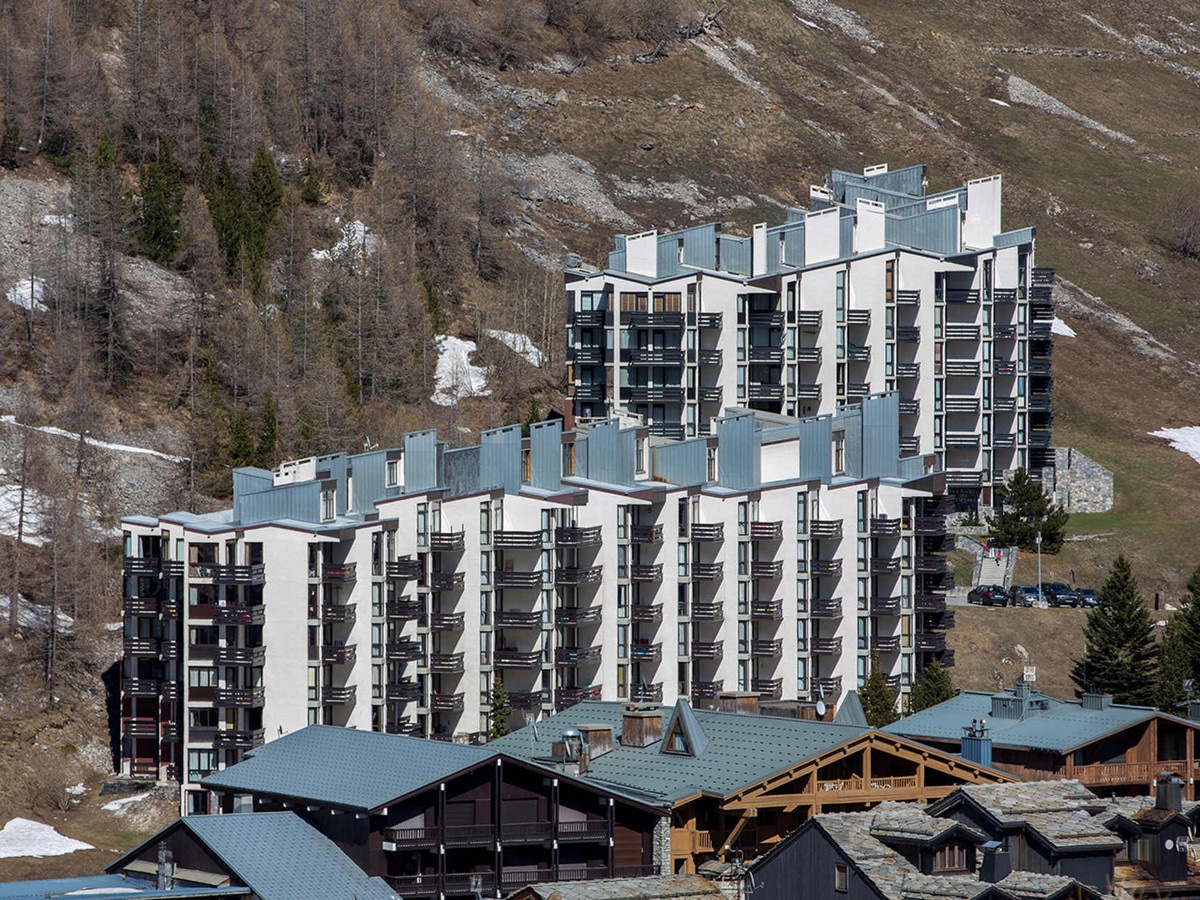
pixel 1078 483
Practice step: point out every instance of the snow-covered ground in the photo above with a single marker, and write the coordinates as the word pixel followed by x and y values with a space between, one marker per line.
pixel 29 293
pixel 37 615
pixel 24 837
pixel 10 511
pixel 1186 440
pixel 121 806
pixel 66 222
pixel 92 442
pixel 357 242
pixel 1061 328
pixel 518 343
pixel 455 376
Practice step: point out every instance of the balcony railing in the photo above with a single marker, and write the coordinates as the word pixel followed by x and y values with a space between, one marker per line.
pixel 646 612
pixel 646 693
pixel 240 656
pixel 708 357
pixel 824 646
pixel 767 688
pixel 446 581
pixel 957 332
pixel 645 534
pixel 825 609
pixel 517 540
pixel 759 391
pixel 641 319
pixel 930 643
pixel 708 320
pixel 440 621
pixel 885 606
pixel 341 613
pixel 961 295
pixel 890 644
pixel 344 694
pixel 830 686
pixel 446 541
pixel 825 567
pixel 707 532
pixel 525 580
pixel 707 393
pixel 446 702
pixel 766 610
pixel 569 696
pixel 403 691
pixel 404 569
pixel 707 571
pixel 406 650
pixel 574 617
pixel 907 298
pixel 141 606
pixel 908 334
pixel 764 569
pixel 708 649
pixel 654 356
pixel 231 575
pixel 645 652
pixel 858 354
pixel 707 690
pixel 962 368
pixel 239 697
pixel 578 537
pixel 708 612
pixel 569 576
pixel 517 659
pixel 446 663
pixel 808 392
pixel 646 573
pixel 339 655
pixel 930 603
pixel 935 565
pixel 141 646
pixel 764 649
pixel 766 354
pixel 883 565
pixel 766 531
pixel 140 727
pixel 140 687
pixel 404 609
pixel 239 615
pixel 339 574
pixel 825 528
pixel 528 699
pixel 576 656
pixel 652 393
pixel 929 526
pixel 511 618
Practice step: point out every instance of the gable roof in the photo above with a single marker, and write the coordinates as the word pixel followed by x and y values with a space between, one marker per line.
pixel 342 767
pixel 1037 886
pixel 850 711
pixel 683 721
pixel 1009 805
pixel 277 855
pixel 1044 722
pixel 740 750
pixel 110 887
pixel 903 823
pixel 665 887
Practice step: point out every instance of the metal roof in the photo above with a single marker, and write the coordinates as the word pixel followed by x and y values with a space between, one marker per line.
pixel 850 711
pixel 741 750
pixel 1059 727
pixel 104 887
pixel 346 768
pixel 674 887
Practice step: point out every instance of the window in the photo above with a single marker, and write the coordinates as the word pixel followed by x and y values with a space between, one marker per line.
pixel 328 505
pixel 642 445
pixel 951 858
pixel 841 878
pixel 393 473
pixel 203 718
pixel 711 465
pixel 201 764
pixel 202 677
pixel 839 453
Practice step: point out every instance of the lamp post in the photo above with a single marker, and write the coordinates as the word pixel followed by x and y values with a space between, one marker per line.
pixel 1038 541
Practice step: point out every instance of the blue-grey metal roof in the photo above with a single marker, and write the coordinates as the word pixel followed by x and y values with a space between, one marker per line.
pixel 1045 723
pixel 281 857
pixel 741 750
pixel 850 711
pixel 104 887
pixel 345 768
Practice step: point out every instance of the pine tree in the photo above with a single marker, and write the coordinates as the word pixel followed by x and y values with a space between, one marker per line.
pixel 1027 511
pixel 263 194
pixel 1121 657
pixel 934 686
pixel 162 191
pixel 878 701
pixel 267 449
pixel 501 712
pixel 1174 667
pixel 241 444
pixel 1188 619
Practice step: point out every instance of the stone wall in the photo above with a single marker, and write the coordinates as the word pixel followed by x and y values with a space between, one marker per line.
pixel 662 845
pixel 1078 483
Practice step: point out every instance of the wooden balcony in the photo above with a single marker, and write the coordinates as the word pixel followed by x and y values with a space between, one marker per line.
pixel 404 609
pixel 858 317
pixel 709 393
pixel 645 652
pixel 768 318
pixel 239 697
pixel 767 688
pixel 569 696
pixel 766 354
pixel 446 663
pixel 881 527
pixel 708 612
pixel 516 659
pixel 706 532
pixel 707 571
pixel 518 580
pixel 646 693
pixel 428 836
pixel 239 615
pixel 766 649
pixel 825 528
pixel 406 650
pixel 339 655
pixel 576 656
pixel 764 569
pixel 645 534
pixel 446 541
pixel 578 537
pixel 345 573
pixel 404 569
pixel 646 612
pixel 929 526
pixel 766 531
pixel 241 656
pixel 885 606
pixel 708 649
pixel 826 646
pixel 230 575
pixel 339 613
pixel 528 699
pixel 579 832
pixel 446 581
pixel 403 691
pixel 707 690
pixel 646 573
pixel 766 610
pixel 809 319
pixel 575 617
pixel 511 618
pixel 517 540
pixel 708 357
pixel 960 295
pixel 446 702
pixel 1114 774
pixel 830 608
pixel 440 621
pixel 171 691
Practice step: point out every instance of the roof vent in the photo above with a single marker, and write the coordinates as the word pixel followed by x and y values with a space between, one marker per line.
pixel 743 702
pixel 597 739
pixel 641 726
pixel 1168 791
pixel 1097 702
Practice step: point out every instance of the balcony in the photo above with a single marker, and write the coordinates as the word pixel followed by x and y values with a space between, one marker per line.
pixel 646 573
pixel 578 537
pixel 140 687
pixel 574 617
pixel 653 356
pixel 962 368
pixel 767 688
pixel 240 656
pixel 646 612
pixel 654 394
pixel 707 690
pixel 884 565
pixel 446 703
pixel 440 621
pixel 708 320
pixel 231 575
pixel 569 696
pixel 709 393
pixel 808 392
pixel 766 354
pixel 890 644
pixel 446 581
pixel 339 655
pixel 809 319
pixel 446 663
pixel 406 650
pixel 885 606
pixel 930 603
pixel 930 643
pixel 706 533
pixel 645 652
pixel 654 319
pixel 929 526
pixel 931 565
pixel 140 727
pixel 403 691
pixel 171 691
pixel 517 619
pixel 708 357
pixel 826 646
pixel 858 354
pixel 907 298
pixel 170 609
pixel 141 646
pixel 708 649
pixel 239 615
pixel 830 608
pixel 587 391
pixel 766 649
pixel 961 295
pixel 962 405
pixel 758 391
pixel 830 687
pixel 511 579
pixel 517 540
pixel 708 612
pixel 665 429
pixel 338 613
pixel 825 528
pixel 141 606
pixel 339 574
pixel 962 440
pixel 446 541
pixel 586 355
pixel 646 693
pixel 857 389
pixel 528 699
pixel 239 697
pixel 404 569
pixel 645 534
pixel 574 576
pixel 707 571
pixel 956 332
pixel 516 659
pixel 908 370
pixel 766 531
pixel 764 569
pixel 1004 295
pixel 338 695
pixel 908 334
pixel 884 528
pixel 1004 367
pixel 576 656
pixel 145 566
pixel 403 609
pixel 825 568
pixel 588 318
pixel 766 610
pixel 808 356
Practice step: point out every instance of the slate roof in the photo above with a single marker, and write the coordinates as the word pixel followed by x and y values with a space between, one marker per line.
pixel 278 856
pixel 1133 808
pixel 668 887
pixel 1078 830
pixel 903 822
pixel 740 750
pixel 108 887
pixel 1011 804
pixel 1037 886
pixel 1047 723
pixel 346 768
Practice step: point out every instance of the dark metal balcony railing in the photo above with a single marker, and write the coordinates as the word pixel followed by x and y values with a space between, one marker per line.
pixel 646 573
pixel 339 655
pixel 907 298
pixel 446 581
pixel 707 532
pixel 339 574
pixel 826 609
pixel 881 527
pixel 576 656
pixel 528 699
pixel 654 319
pixel 763 569
pixel 766 649
pixel 709 393
pixel 406 650
pixel 890 644
pixel 651 393
pixel 930 643
pixel 578 537
pixel 141 646
pixel 569 696
pixel 645 534
pixel 446 702
pixel 569 576
pixel 646 612
pixel 141 606
pixel 239 697
pixel 344 694
pixel 239 615
pixel 885 606
pixel 883 565
pixel 826 645
pixel 573 617
pixel 446 663
pixel 707 690
pixel 930 603
pixel 645 652
pixel 646 693
pixel 830 686
pixel 241 656
pixel 708 649
pixel 404 569
pixel 708 320
pixel 403 691
pixel 517 659
pixel 140 687
pixel 765 319
pixel 517 540
pixel 708 357
pixel 825 567
pixel 707 571
pixel 230 575
pixel 404 609
pixel 343 613
pixel 446 541
pixel 758 391
pixel 512 579
pixel 654 356
pixel 512 618
pixel 708 612
pixel 766 531
pixel 440 621
pixel 825 528
pixel 766 610
pixel 767 688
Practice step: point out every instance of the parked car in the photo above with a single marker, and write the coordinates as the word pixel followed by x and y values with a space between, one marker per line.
pixel 988 595
pixel 1058 593
pixel 1024 595
pixel 1087 597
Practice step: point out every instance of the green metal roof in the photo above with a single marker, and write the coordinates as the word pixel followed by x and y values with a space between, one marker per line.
pixel 740 750
pixel 342 767
pixel 1045 723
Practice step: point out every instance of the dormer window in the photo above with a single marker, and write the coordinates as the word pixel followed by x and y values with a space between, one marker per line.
pixel 950 859
pixel 393 473
pixel 328 505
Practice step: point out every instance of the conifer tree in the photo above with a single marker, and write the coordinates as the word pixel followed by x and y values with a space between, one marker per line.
pixel 161 209
pixel 501 712
pixel 1121 657
pixel 267 448
pixel 261 199
pixel 242 451
pixel 1027 511
pixel 1174 667
pixel 878 701
pixel 934 686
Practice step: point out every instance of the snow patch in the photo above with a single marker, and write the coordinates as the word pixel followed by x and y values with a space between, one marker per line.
pixel 998 102
pixel 29 293
pixel 1061 328
pixel 119 807
pixel 1022 91
pixel 66 222
pixel 10 513
pixel 517 343
pixel 92 442
pixel 1169 607
pixel 76 790
pixel 37 615
pixel 24 837
pixel 455 376
pixel 843 20
pixel 1186 440
pixel 356 243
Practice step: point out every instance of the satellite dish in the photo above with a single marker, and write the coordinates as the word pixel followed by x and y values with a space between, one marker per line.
pixel 820 708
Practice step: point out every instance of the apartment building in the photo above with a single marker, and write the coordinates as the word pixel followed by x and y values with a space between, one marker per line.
pixel 391 590
pixel 878 286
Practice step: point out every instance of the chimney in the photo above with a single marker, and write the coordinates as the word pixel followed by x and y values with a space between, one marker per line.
pixel 996 865
pixel 977 743
pixel 641 726
pixel 1194 710
pixel 1168 791
pixel 597 739
pixel 1021 689
pixel 743 702
pixel 166 868
pixel 1096 702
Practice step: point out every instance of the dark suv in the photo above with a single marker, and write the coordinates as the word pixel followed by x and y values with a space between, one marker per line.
pixel 988 595
pixel 1059 594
